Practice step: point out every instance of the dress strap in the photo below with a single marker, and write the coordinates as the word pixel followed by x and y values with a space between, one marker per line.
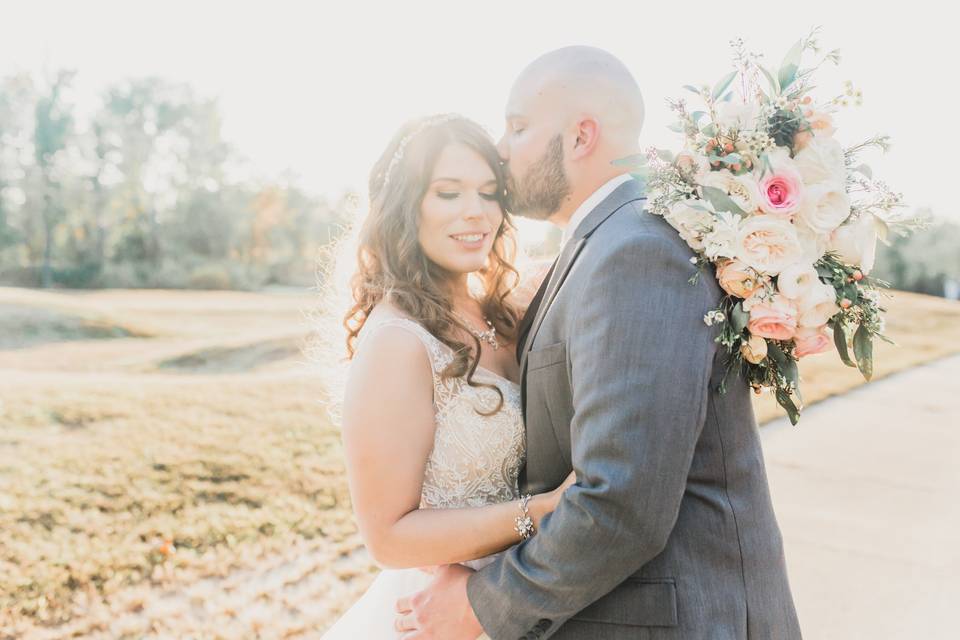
pixel 439 354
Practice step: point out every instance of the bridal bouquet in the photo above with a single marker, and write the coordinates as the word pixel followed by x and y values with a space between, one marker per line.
pixel 787 214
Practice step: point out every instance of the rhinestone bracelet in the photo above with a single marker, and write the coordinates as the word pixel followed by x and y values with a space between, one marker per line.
pixel 524 525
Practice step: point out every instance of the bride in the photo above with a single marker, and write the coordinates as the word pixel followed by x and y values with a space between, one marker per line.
pixel 432 424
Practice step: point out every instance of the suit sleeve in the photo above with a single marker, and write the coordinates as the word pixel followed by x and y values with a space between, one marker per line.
pixel 641 359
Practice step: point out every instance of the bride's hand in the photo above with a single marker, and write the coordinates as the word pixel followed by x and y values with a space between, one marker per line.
pixel 431 569
pixel 544 503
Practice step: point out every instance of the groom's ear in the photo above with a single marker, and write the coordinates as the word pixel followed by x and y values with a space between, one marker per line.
pixel 587 135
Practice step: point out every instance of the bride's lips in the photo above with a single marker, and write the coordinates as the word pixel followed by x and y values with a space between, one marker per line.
pixel 470 240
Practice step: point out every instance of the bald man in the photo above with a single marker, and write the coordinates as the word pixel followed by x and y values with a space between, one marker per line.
pixel 669 531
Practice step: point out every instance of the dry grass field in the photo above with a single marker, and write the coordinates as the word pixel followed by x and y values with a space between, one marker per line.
pixel 167 468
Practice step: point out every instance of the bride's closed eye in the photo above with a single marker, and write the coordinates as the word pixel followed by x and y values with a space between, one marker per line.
pixel 453 195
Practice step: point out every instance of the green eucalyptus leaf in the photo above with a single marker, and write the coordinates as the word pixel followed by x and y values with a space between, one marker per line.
pixel 710 130
pixel 825 272
pixel 739 318
pixel 721 201
pixel 635 160
pixel 790 65
pixel 851 292
pixel 732 158
pixel 696 115
pixel 721 86
pixel 840 340
pixel 863 350
pixel 784 400
pixel 691 88
pixel 677 127
pixel 774 85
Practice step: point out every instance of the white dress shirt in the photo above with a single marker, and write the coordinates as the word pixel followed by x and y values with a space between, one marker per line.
pixel 591 203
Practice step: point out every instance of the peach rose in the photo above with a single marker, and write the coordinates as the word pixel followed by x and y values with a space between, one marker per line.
pixel 821 123
pixel 776 320
pixel 768 244
pixel 737 279
pixel 811 340
pixel 754 350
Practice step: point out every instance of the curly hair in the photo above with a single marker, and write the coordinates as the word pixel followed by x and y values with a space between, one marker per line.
pixel 391 264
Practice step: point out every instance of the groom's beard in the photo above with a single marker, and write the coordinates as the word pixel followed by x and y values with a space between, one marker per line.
pixel 540 193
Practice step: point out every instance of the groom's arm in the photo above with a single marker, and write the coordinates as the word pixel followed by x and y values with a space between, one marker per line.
pixel 641 358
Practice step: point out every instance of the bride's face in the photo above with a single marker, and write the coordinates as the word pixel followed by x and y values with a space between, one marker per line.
pixel 460 214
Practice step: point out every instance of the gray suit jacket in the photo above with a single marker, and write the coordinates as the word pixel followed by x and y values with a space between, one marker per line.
pixel 669 531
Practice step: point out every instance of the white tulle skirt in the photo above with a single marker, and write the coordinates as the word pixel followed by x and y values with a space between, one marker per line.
pixel 372 616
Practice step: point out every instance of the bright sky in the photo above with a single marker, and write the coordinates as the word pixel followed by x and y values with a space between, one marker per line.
pixel 320 87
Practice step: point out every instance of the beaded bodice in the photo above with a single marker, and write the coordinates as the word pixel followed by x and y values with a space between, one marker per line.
pixel 476 459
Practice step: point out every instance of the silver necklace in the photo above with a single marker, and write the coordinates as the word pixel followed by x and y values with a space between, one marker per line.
pixel 489 336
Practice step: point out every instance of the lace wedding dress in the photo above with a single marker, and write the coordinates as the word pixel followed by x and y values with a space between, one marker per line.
pixel 475 461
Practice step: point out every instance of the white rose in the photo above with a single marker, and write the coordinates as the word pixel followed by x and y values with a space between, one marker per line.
pixel 856 243
pixel 825 206
pixel 821 160
pixel 818 305
pixel 742 189
pixel 797 280
pixel 768 244
pixel 692 219
pixel 814 244
pixel 737 115
pixel 722 239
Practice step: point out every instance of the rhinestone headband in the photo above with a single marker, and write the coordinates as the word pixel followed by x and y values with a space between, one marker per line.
pixel 401 148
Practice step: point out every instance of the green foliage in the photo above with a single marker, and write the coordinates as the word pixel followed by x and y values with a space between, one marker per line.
pixel 141 194
pixel 721 201
pixel 922 262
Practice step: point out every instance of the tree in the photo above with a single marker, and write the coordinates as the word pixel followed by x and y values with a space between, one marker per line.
pixel 53 125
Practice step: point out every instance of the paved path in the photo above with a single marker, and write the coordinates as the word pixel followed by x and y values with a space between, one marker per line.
pixel 867 492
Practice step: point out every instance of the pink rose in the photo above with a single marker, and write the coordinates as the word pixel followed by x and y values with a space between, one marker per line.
pixel 781 189
pixel 737 279
pixel 776 320
pixel 811 340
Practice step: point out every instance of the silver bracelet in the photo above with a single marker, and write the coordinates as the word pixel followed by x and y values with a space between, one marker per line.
pixel 524 525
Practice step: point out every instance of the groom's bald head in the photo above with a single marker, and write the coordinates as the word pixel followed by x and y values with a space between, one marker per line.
pixel 570 113
pixel 579 80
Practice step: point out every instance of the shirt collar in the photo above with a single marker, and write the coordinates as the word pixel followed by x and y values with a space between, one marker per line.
pixel 591 203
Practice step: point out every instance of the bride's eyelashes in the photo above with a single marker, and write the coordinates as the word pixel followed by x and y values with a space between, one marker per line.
pixel 453 195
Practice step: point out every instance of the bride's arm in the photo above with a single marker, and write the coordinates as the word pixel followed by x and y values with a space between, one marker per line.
pixel 388 430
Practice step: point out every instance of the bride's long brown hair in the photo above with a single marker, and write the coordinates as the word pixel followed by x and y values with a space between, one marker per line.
pixel 392 266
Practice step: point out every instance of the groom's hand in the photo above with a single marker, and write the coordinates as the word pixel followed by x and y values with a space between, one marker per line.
pixel 441 611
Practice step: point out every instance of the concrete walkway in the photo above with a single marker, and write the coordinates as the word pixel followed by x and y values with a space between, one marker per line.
pixel 867 492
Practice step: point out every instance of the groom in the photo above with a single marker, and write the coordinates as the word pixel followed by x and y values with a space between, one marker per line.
pixel 669 531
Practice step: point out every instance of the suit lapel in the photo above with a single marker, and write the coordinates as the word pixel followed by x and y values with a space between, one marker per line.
pixel 627 192
pixel 567 257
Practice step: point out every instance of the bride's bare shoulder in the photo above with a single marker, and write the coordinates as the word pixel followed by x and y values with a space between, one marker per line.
pixel 388 348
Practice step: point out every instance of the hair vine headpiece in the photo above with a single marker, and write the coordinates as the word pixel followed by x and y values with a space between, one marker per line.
pixel 423 126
